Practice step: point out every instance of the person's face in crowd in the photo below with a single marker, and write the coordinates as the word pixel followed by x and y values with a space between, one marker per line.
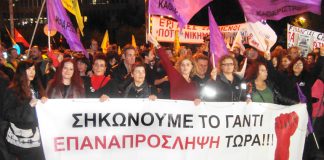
pixel 202 66
pixel 139 75
pixel 82 67
pixel 68 70
pixel 152 63
pixel 183 52
pixel 263 73
pixel 227 66
pixel 130 56
pixel 60 57
pixel 252 54
pixel 30 72
pixel 112 61
pixel 294 53
pixel 94 45
pixel 310 60
pixel 236 50
pixel 274 62
pixel 150 56
pixel 298 67
pixel 14 54
pixel 34 52
pixel 186 67
pixel 316 51
pixel 322 51
pixel 169 53
pixel 99 67
pixel 285 62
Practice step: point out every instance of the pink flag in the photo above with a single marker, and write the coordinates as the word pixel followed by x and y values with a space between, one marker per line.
pixel 58 20
pixel 181 10
pixel 217 45
pixel 256 10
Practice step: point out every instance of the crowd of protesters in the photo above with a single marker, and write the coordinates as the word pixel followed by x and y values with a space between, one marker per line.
pixel 155 72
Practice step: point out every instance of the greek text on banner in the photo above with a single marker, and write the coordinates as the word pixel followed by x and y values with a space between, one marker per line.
pixel 164 30
pixel 164 129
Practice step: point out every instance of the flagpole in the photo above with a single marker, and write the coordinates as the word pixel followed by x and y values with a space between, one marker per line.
pixel 10 36
pixel 213 57
pixel 149 26
pixel 37 22
pixel 49 39
pixel 148 20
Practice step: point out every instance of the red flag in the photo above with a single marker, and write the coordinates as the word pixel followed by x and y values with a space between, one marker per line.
pixel 20 38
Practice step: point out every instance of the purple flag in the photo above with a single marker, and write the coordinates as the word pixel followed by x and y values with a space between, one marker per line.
pixel 301 96
pixel 217 45
pixel 181 10
pixel 58 20
pixel 256 10
pixel 303 99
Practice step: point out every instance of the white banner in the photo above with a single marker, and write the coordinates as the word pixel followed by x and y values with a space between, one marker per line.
pixel 138 129
pixel 259 35
pixel 305 39
pixel 164 30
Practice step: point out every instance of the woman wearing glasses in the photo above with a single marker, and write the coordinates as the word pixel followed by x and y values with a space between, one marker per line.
pixel 229 86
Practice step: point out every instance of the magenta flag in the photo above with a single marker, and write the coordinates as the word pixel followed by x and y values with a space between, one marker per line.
pixel 217 44
pixel 181 10
pixel 303 99
pixel 256 10
pixel 58 20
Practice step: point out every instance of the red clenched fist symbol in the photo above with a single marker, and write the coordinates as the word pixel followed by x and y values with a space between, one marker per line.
pixel 286 125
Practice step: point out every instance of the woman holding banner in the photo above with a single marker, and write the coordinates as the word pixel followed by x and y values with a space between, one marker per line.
pixel 23 135
pixel 139 88
pixel 67 82
pixel 263 90
pixel 99 85
pixel 228 86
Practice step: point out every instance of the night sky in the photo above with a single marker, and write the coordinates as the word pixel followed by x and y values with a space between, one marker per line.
pixel 130 19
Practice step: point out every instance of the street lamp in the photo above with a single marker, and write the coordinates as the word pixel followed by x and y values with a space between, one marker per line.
pixel 302 19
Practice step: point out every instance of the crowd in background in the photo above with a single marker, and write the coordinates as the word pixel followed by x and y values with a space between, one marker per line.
pixel 152 71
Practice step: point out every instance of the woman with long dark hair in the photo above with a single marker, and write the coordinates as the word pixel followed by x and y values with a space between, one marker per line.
pixel 261 89
pixel 297 75
pixel 23 93
pixel 67 82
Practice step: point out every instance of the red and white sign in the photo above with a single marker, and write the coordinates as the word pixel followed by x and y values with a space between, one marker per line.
pixel 139 129
pixel 305 39
pixel 164 30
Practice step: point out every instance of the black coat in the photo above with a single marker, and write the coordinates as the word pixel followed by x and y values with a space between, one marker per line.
pixel 110 89
pixel 18 111
pixel 4 81
pixel 144 91
pixel 120 74
pixel 226 91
